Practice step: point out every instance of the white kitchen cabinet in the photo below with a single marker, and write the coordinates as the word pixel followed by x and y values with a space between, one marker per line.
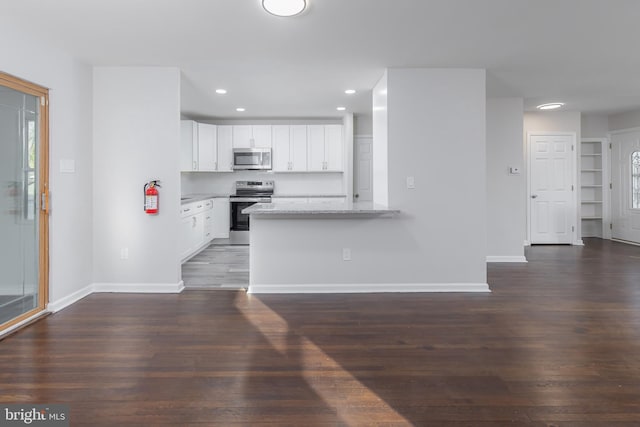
pixel 261 136
pixel 289 148
pixel 225 148
pixel 315 147
pixel 333 148
pixel 199 148
pixel 298 148
pixel 188 146
pixel 221 218
pixel 325 148
pixel 207 148
pixel 281 148
pixel 196 227
pixel 242 136
pixel 248 136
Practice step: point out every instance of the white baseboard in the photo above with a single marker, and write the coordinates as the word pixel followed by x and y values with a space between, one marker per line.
pixel 69 299
pixel 353 288
pixel 579 243
pixel 139 288
pixel 527 243
pixel 492 258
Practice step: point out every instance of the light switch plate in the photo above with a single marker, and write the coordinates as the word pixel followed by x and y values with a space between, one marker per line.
pixel 514 170
pixel 67 166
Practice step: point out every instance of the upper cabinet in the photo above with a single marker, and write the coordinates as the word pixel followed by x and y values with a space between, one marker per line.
pixel 207 148
pixel 289 148
pixel 295 148
pixel 188 145
pixel 325 148
pixel 225 149
pixel 252 136
pixel 201 150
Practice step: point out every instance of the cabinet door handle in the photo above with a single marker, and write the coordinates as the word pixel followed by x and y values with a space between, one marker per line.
pixel 194 221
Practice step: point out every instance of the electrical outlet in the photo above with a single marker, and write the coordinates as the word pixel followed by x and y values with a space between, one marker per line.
pixel 124 253
pixel 346 254
pixel 411 182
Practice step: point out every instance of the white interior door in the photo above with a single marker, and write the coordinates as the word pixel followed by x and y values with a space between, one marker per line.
pixel 625 179
pixel 551 177
pixel 363 176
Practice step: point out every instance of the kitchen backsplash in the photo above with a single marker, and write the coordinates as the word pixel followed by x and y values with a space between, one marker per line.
pixel 285 183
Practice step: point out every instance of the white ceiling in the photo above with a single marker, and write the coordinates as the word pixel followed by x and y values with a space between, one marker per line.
pixel 582 52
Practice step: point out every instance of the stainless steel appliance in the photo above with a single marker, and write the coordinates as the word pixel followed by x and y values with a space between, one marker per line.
pixel 247 193
pixel 252 158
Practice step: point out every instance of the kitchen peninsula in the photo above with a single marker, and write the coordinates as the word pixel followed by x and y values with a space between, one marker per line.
pixel 316 247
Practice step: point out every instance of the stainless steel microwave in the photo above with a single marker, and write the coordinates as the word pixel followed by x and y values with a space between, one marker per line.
pixel 252 158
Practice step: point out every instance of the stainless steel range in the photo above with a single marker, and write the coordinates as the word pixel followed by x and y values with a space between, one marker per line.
pixel 247 193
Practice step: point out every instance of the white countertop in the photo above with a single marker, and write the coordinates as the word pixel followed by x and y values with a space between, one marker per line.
pixel 319 209
pixel 188 198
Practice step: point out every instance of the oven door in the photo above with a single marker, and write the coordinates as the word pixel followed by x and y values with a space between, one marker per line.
pixel 240 221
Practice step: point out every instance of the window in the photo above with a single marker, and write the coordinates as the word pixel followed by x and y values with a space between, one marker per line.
pixel 635 180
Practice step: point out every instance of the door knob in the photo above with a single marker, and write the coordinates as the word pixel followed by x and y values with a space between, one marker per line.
pixel 533 196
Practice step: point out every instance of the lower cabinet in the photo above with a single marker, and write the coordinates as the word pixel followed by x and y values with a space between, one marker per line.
pixel 200 223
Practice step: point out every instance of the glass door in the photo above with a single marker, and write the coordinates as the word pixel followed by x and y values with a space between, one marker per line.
pixel 23 225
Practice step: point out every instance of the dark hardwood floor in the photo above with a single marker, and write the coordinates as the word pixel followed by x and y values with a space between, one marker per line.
pixel 557 343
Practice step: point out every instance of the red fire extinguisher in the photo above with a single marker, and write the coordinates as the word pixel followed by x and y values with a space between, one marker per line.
pixel 151 197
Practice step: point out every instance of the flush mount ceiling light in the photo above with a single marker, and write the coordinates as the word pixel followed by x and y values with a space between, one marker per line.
pixel 341 108
pixel 550 106
pixel 350 91
pixel 240 109
pixel 284 7
pixel 221 91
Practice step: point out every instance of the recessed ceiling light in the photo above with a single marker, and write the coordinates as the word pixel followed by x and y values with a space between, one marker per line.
pixel 341 108
pixel 550 106
pixel 240 109
pixel 284 7
pixel 221 91
pixel 350 91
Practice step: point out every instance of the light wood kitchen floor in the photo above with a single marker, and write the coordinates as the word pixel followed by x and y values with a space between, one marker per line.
pixel 220 266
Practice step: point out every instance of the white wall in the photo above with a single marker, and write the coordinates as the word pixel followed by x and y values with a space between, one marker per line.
pixel 136 139
pixel 594 125
pixel 380 162
pixel 436 133
pixel 363 124
pixel 628 120
pixel 506 193
pixel 70 83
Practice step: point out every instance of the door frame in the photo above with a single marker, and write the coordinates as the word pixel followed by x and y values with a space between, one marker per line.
pixel 575 234
pixel 42 198
pixel 610 181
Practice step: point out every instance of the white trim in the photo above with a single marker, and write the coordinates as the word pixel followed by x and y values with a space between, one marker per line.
pixel 574 174
pixel 492 258
pixel 139 288
pixel 527 243
pixel 579 243
pixel 65 302
pixel 362 136
pixel 628 130
pixel 24 322
pixel 353 288
pixel 628 242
